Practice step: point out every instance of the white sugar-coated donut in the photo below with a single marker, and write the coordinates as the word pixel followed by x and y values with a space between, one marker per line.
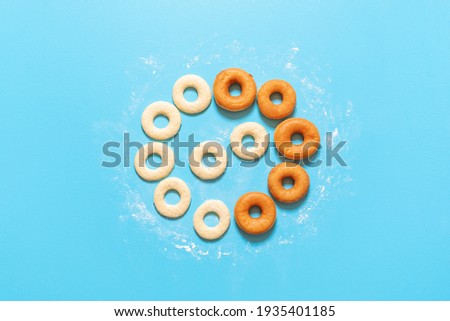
pixel 203 94
pixel 167 161
pixel 205 231
pixel 172 210
pixel 208 172
pixel 161 108
pixel 259 134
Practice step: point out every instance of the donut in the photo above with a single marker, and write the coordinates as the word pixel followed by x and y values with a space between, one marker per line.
pixel 252 225
pixel 172 210
pixel 160 172
pixel 208 172
pixel 283 138
pixel 258 133
pixel 156 109
pixel 205 231
pixel 222 85
pixel 276 111
pixel 203 94
pixel 288 170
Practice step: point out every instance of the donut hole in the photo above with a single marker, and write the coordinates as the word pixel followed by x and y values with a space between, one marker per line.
pixel 211 219
pixel 254 211
pixel 248 141
pixel 190 94
pixel 154 160
pixel 235 89
pixel 297 139
pixel 288 182
pixel 276 98
pixel 209 159
pixel 172 197
pixel 161 121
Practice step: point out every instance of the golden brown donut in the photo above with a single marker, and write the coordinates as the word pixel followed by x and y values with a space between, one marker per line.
pixel 252 225
pixel 283 142
pixel 288 170
pixel 222 94
pixel 274 111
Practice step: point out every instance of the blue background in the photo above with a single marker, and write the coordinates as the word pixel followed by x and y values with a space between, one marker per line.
pixel 70 72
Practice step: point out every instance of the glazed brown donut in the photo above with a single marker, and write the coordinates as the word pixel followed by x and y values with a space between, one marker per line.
pixel 222 94
pixel 252 225
pixel 288 170
pixel 274 111
pixel 287 128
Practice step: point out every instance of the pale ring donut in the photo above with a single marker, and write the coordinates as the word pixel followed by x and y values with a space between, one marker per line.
pixel 172 210
pixel 156 109
pixel 208 172
pixel 203 94
pixel 259 134
pixel 205 231
pixel 167 157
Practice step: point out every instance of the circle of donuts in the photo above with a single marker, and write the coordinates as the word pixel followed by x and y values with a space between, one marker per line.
pixel 283 134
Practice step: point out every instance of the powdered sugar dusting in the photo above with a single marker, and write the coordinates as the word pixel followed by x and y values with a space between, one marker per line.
pixel 152 63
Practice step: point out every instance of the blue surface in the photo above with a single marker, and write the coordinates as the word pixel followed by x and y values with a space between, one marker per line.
pixel 74 76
